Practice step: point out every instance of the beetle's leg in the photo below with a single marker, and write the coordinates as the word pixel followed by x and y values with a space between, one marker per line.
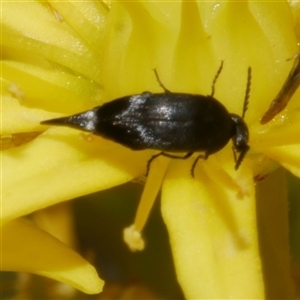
pixel 160 83
pixel 215 79
pixel 166 155
pixel 205 156
pixel 242 152
pixel 150 161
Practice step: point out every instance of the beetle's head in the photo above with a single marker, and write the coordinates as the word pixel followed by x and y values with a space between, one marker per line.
pixel 240 139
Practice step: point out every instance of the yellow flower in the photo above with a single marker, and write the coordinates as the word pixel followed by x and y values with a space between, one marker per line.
pixel 66 57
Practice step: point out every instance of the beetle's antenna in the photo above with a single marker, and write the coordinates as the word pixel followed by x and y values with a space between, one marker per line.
pixel 160 83
pixel 247 94
pixel 215 79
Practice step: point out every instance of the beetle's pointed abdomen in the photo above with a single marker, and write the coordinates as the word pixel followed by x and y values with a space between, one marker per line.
pixel 86 121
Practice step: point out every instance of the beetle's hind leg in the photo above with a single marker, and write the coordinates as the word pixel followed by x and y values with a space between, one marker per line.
pixel 204 156
pixel 150 161
pixel 189 154
pixel 160 83
pixel 215 80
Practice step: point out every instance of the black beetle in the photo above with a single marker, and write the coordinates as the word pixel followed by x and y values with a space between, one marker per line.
pixel 169 122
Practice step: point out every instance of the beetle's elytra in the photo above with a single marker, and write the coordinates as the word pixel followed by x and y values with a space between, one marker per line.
pixel 169 122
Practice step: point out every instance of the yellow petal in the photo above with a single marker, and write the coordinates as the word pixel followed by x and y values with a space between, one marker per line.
pixel 213 235
pixel 25 248
pixel 46 36
pixel 17 118
pixel 283 130
pixel 60 165
pixel 126 47
pixel 50 89
pixel 87 18
pixel 288 156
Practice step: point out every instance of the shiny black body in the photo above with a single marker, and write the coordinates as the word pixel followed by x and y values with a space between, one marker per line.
pixel 169 122
pixel 166 122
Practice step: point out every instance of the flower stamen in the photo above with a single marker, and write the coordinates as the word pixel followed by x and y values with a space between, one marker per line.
pixel 132 234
